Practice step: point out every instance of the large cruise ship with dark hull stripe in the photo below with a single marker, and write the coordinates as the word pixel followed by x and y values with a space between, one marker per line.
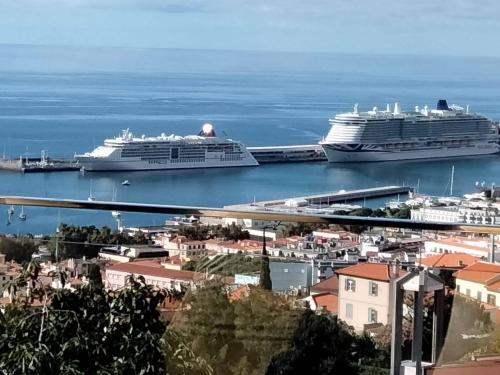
pixel 391 134
pixel 205 150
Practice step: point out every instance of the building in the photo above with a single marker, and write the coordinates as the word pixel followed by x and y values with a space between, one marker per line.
pixel 322 302
pixel 154 274
pixel 455 214
pixel 182 247
pixel 479 248
pixel 247 278
pixel 328 285
pixel 452 261
pixel 481 282
pixel 365 294
pixel 486 365
pixel 130 253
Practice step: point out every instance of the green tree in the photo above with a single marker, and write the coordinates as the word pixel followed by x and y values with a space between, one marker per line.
pixel 265 281
pixel 75 242
pixel 84 331
pixel 208 327
pixel 264 324
pixel 17 249
pixel 94 275
pixel 324 345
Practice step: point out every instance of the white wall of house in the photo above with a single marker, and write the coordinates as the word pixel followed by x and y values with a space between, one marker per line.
pixel 476 291
pixel 362 301
pixel 437 247
pixel 117 280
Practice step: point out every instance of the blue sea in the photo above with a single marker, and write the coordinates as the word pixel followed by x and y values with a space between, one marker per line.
pixel 68 100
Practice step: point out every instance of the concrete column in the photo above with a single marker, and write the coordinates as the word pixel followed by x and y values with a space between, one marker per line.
pixel 396 325
pixel 437 325
pixel 418 320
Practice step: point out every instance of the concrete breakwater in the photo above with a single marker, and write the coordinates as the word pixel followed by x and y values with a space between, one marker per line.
pixel 38 165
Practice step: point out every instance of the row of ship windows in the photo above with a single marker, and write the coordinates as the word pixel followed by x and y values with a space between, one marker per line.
pixel 167 152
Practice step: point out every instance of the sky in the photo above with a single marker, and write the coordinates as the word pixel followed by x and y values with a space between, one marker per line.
pixel 433 27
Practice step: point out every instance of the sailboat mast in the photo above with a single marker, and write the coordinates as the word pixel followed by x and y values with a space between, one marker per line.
pixel 452 177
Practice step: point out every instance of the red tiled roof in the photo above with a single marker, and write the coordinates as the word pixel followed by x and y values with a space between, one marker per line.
pixel 330 285
pixel 148 268
pixel 494 286
pixel 480 272
pixel 371 271
pixel 326 300
pixel 239 293
pixel 479 366
pixel 449 260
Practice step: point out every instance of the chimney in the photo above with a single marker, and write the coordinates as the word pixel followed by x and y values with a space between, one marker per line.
pixel 397 108
pixel 395 269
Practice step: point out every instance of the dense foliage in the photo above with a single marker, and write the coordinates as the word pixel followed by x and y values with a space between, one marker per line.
pixel 198 232
pixel 261 331
pixel 236 337
pixel 17 249
pixel 265 281
pixel 76 242
pixel 323 345
pixel 87 331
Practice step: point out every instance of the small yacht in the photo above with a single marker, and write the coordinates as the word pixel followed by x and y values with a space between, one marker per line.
pixel 126 183
pixel 22 215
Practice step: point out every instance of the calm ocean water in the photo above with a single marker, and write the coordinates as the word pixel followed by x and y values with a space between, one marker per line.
pixel 68 100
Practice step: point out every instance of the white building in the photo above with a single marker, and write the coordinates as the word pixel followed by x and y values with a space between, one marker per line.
pixel 365 294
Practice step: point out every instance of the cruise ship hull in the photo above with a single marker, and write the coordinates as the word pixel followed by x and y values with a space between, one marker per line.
pixel 94 164
pixel 339 153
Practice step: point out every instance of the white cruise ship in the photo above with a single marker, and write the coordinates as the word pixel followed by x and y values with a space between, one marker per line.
pixel 381 135
pixel 204 150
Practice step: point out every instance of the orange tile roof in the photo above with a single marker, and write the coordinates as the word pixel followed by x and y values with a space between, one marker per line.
pixel 482 366
pixel 326 300
pixel 149 268
pixel 449 260
pixel 239 293
pixel 480 272
pixel 494 286
pixel 331 285
pixel 371 271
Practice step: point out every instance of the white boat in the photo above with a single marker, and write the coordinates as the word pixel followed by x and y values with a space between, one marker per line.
pixel 91 196
pixel 126 183
pixel 22 215
pixel 382 135
pixel 204 150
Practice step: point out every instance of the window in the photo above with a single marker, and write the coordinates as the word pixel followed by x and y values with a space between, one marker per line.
pixel 467 292
pixel 492 300
pixel 458 288
pixel 373 289
pixel 348 311
pixel 479 296
pixel 350 285
pixel 372 315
